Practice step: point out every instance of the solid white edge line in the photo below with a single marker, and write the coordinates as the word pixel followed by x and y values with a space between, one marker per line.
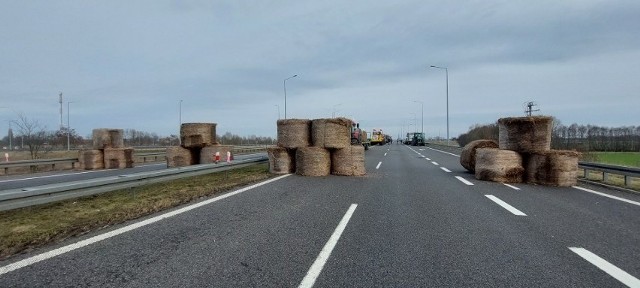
pixel 604 265
pixel 56 252
pixel 445 169
pixel 511 186
pixel 445 152
pixel 607 195
pixel 464 180
pixel 378 166
pixel 434 163
pixel 505 205
pixel 317 266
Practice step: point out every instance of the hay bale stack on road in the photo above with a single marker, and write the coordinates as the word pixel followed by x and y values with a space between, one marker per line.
pixel 331 133
pixel 107 138
pixel 208 153
pixel 313 161
pixel 498 165
pixel 91 159
pixel 554 168
pixel 178 156
pixel 197 135
pixel 525 134
pixel 468 155
pixel 348 161
pixel 281 160
pixel 118 158
pixel 294 133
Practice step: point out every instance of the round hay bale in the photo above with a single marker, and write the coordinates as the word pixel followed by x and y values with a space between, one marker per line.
pixel 331 133
pixel 197 135
pixel 107 138
pixel 553 168
pixel 525 134
pixel 281 160
pixel 294 133
pixel 468 155
pixel 348 161
pixel 313 161
pixel 208 153
pixel 499 165
pixel 118 158
pixel 178 156
pixel 91 159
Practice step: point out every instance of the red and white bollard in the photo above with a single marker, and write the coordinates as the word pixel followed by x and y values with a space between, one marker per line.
pixel 229 157
pixel 217 158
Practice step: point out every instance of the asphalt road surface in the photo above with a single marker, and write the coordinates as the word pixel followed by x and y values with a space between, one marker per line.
pixel 417 219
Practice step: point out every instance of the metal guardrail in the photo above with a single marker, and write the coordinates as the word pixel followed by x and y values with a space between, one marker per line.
pixel 23 197
pixel 156 156
pixel 606 169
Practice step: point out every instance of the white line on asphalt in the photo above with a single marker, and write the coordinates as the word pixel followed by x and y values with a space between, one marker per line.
pixel 607 195
pixel 604 265
pixel 511 186
pixel 505 205
pixel 434 163
pixel 428 159
pixel 98 238
pixel 445 152
pixel 385 153
pixel 378 167
pixel 464 180
pixel 445 169
pixel 317 266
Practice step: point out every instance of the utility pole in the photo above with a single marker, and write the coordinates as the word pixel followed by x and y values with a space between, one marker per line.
pixel 60 101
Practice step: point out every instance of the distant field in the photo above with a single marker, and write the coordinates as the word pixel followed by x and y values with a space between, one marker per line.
pixel 630 159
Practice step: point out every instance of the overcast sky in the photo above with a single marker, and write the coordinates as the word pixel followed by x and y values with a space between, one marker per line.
pixel 127 64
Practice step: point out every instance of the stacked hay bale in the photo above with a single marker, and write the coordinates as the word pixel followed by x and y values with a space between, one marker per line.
pixel 468 155
pixel 198 146
pixel 524 154
pixel 316 148
pixel 108 151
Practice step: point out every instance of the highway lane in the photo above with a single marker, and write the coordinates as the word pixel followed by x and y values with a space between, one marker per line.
pixel 38 179
pixel 415 225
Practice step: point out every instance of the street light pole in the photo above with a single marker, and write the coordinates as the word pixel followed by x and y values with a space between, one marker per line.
pixel 285 94
pixel 68 126
pixel 422 111
pixel 446 70
pixel 180 125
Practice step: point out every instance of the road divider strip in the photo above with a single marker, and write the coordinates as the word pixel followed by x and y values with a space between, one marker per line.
pixel 505 205
pixel 445 170
pixel 434 163
pixel 604 265
pixel 464 180
pixel 62 250
pixel 511 186
pixel 324 255
pixel 608 196
pixel 378 166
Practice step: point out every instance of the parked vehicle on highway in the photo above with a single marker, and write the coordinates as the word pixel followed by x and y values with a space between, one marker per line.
pixel 359 136
pixel 377 137
pixel 418 139
pixel 408 139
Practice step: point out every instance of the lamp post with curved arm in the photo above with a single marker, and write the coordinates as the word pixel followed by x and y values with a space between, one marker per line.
pixel 447 79
pixel 285 94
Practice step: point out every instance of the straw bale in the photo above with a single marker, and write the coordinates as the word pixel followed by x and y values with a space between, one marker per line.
pixel 499 165
pixel 294 133
pixel 118 158
pixel 331 132
pixel 197 135
pixel 208 153
pixel 525 134
pixel 554 168
pixel 348 161
pixel 281 160
pixel 313 161
pixel 108 138
pixel 178 156
pixel 91 159
pixel 468 155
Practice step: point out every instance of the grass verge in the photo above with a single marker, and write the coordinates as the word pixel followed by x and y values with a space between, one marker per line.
pixel 23 229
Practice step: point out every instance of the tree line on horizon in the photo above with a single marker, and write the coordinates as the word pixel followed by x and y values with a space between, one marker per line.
pixel 578 137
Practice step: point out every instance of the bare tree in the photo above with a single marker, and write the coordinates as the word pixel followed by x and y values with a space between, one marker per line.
pixel 33 135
